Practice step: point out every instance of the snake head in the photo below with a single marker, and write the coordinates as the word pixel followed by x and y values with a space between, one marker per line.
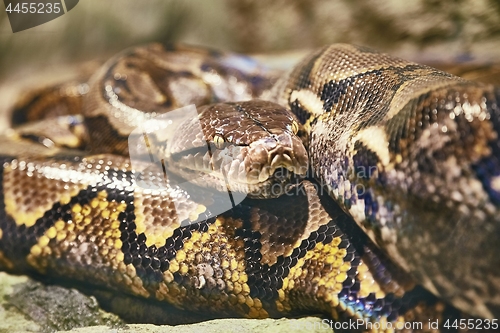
pixel 248 147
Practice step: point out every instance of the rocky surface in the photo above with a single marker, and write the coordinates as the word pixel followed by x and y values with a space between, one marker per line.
pixel 30 306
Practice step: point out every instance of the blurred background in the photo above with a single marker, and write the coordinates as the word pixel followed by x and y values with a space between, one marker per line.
pixel 423 30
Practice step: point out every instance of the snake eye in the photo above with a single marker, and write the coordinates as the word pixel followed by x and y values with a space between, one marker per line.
pixel 295 127
pixel 218 141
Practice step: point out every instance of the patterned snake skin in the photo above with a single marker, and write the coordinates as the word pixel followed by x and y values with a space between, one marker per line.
pixel 384 129
pixel 410 152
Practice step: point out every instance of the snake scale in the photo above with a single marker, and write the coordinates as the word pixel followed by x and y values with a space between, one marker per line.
pixel 409 152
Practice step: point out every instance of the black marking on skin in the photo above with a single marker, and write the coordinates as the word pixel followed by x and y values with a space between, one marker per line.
pixel 302 114
pixel 33 137
pixel 357 243
pixel 303 79
pixel 403 126
pixel 265 280
pixel 169 47
pixel 332 91
pixel 407 72
pixel 417 110
pixel 118 83
pixel 150 262
pixel 18 240
pixel 239 108
pixel 110 75
pixel 371 207
pixel 412 71
pixel 398 127
pixel 114 141
pixel 365 161
pixel 265 288
pixel 45 103
pixel 489 167
pixel 22 115
pixel 121 83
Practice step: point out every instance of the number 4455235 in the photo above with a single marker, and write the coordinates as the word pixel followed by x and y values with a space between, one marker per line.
pixel 472 324
pixel 34 8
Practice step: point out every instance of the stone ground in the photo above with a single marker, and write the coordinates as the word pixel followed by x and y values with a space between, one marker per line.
pixel 30 306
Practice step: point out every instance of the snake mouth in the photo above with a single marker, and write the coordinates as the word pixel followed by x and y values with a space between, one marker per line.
pixel 281 174
pixel 267 168
pixel 280 182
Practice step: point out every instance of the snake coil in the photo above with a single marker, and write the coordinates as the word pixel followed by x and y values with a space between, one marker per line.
pixel 410 152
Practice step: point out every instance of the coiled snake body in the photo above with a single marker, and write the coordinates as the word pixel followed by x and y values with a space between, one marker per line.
pixel 410 152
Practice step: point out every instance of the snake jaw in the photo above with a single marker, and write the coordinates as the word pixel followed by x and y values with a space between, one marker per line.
pixel 273 164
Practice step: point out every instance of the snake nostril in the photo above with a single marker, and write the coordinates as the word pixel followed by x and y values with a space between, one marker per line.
pixel 281 174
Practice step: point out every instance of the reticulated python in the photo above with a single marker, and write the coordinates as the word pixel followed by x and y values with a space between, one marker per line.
pixel 410 152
